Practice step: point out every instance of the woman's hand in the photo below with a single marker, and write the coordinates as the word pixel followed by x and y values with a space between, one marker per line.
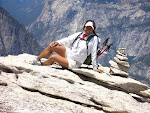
pixel 100 71
pixel 53 44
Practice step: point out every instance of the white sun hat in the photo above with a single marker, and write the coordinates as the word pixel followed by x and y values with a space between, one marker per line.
pixel 89 24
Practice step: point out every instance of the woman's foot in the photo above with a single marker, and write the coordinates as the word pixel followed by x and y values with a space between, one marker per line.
pixel 36 61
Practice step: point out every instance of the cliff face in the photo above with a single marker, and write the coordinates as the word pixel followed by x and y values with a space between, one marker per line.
pixel 125 22
pixel 14 38
pixel 31 88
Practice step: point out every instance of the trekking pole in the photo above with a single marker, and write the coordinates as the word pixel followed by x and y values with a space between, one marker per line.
pixel 109 46
pixel 104 44
pixel 106 49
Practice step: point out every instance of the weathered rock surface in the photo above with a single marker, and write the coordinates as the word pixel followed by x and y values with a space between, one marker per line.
pixel 122 57
pixel 126 22
pixel 31 88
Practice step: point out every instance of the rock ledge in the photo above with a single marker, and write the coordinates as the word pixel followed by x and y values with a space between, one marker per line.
pixel 30 88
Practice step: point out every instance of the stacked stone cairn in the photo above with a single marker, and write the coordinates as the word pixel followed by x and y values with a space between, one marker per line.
pixel 120 65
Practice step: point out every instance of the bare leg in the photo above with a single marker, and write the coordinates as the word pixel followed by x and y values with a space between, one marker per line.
pixel 56 58
pixel 44 53
pixel 61 50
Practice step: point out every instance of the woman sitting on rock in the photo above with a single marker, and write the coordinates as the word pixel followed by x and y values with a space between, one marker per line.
pixel 74 56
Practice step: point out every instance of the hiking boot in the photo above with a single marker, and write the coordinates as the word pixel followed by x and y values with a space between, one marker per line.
pixel 36 62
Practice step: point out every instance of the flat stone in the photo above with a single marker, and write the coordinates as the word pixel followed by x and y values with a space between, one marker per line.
pixel 122 58
pixel 122 51
pixel 121 54
pixel 118 66
pixel 123 63
pixel 115 71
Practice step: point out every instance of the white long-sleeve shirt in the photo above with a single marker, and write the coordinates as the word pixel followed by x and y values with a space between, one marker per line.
pixel 79 48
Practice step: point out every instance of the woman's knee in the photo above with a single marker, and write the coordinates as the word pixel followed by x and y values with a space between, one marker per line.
pixel 53 57
pixel 50 49
pixel 61 50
